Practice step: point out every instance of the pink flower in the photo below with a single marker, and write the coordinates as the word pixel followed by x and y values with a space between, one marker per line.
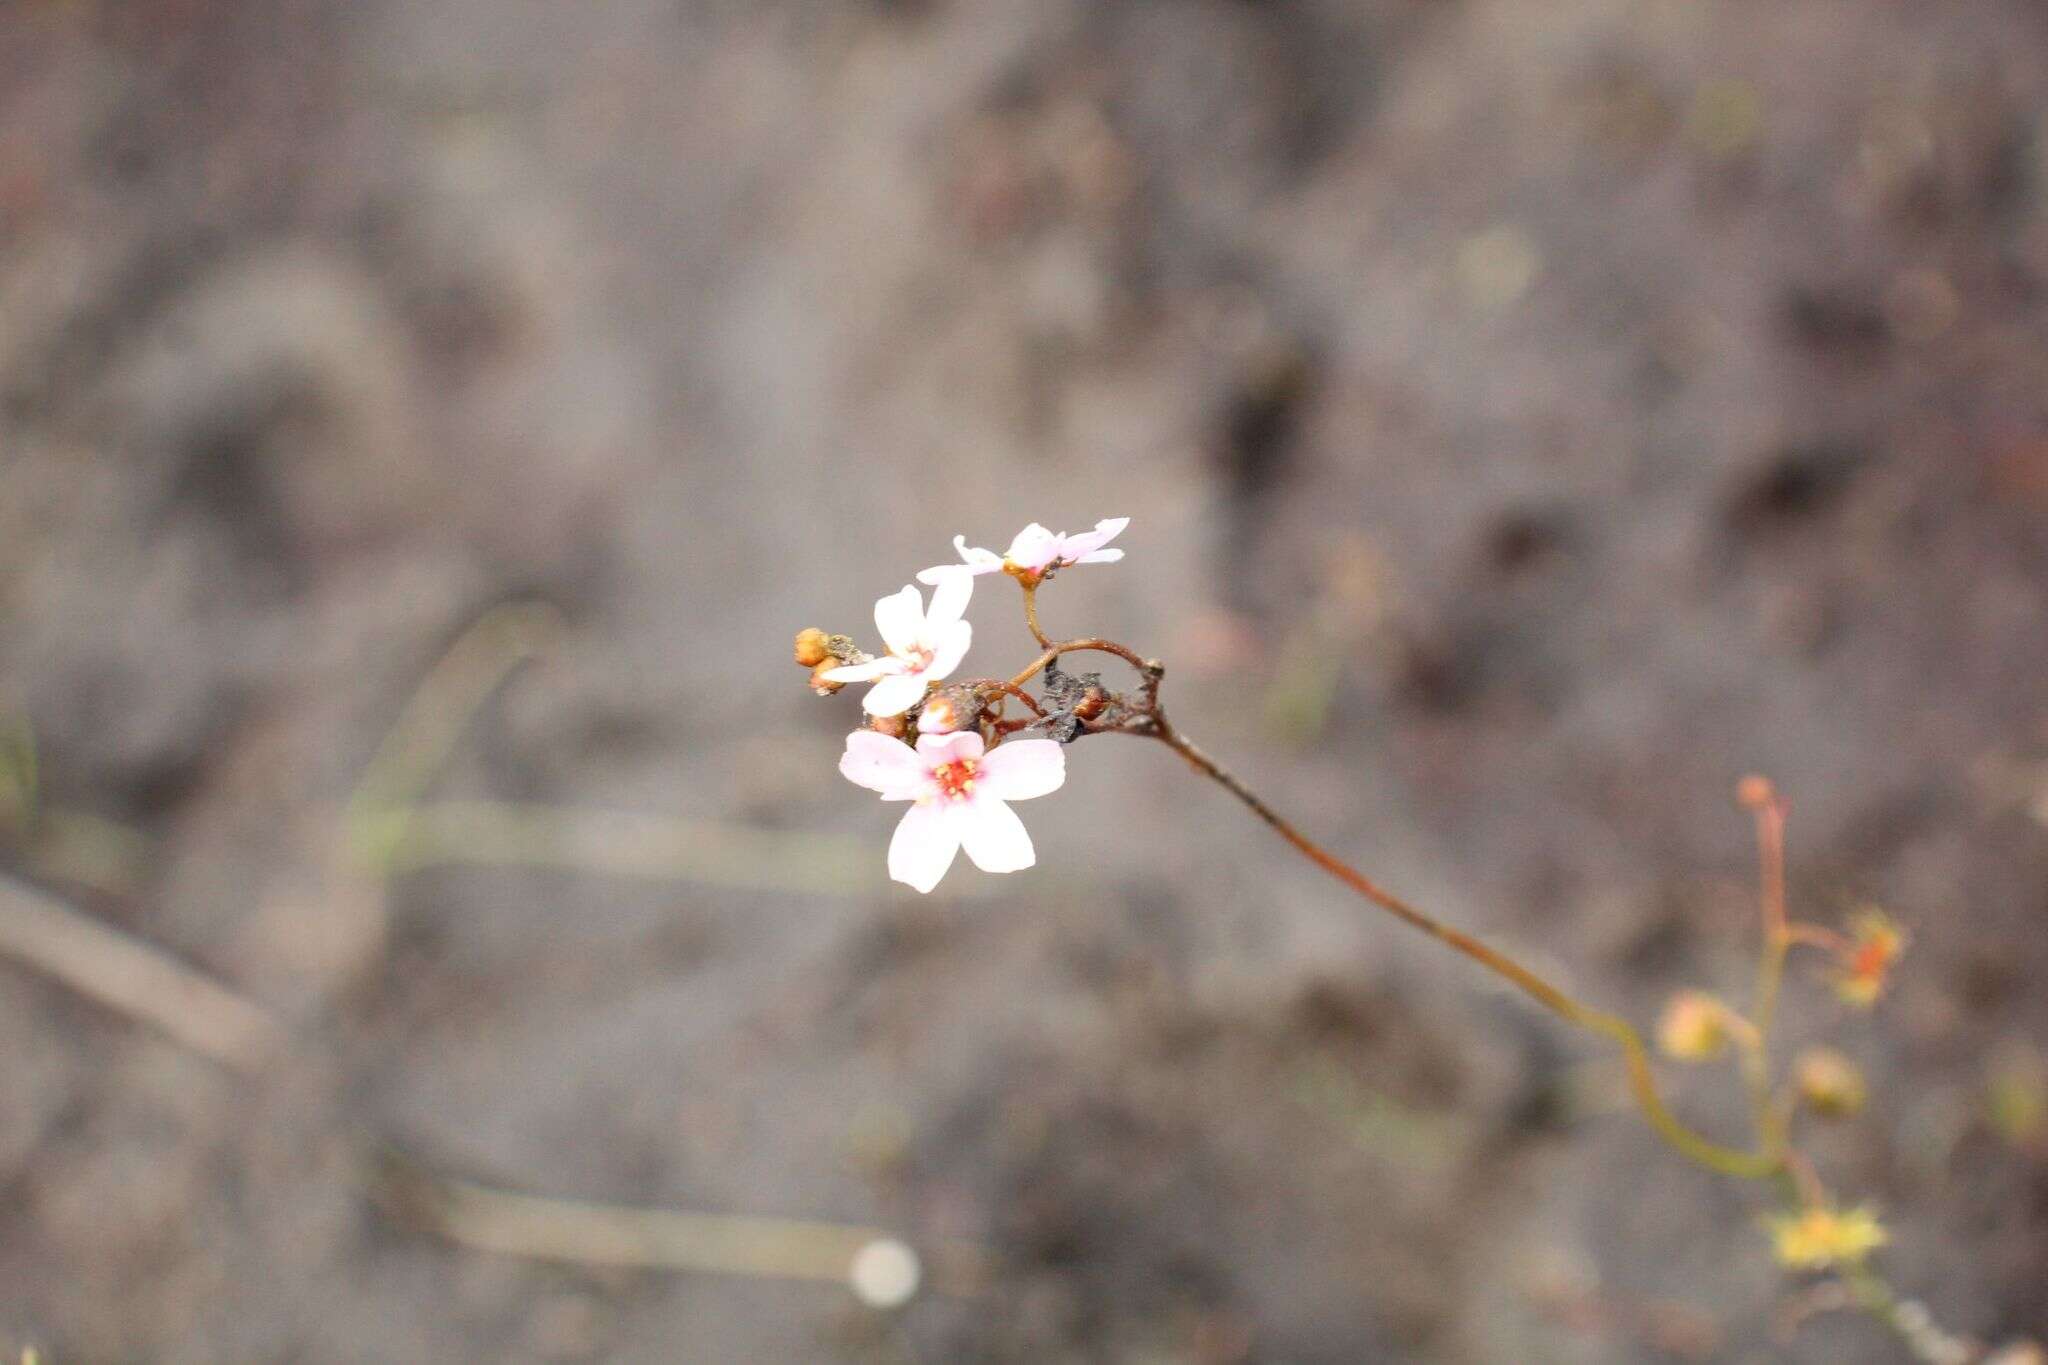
pixel 959 795
pixel 1034 551
pixel 924 646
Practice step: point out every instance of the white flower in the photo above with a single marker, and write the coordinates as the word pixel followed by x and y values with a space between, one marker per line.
pixel 1034 551
pixel 924 646
pixel 959 794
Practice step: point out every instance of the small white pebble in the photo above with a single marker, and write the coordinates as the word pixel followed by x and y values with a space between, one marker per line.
pixel 885 1273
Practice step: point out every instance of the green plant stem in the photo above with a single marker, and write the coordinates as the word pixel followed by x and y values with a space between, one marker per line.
pixel 1907 1321
pixel 1642 1082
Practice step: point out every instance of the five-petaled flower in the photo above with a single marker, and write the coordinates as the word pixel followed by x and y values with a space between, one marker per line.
pixel 1033 553
pixel 924 646
pixel 959 793
pixel 1820 1236
pixel 1875 943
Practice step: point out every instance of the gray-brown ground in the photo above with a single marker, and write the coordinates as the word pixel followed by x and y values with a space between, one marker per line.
pixel 1534 416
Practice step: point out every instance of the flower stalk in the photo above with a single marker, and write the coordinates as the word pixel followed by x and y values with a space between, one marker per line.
pixel 959 783
pixel 1642 1080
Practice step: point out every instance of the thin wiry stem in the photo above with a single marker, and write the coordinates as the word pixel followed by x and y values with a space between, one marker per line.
pixel 1805 1180
pixel 1773 1159
pixel 1770 843
pixel 1909 1321
pixel 1053 649
pixel 1052 652
pixel 1818 936
pixel 1013 690
pixel 1642 1082
pixel 1031 616
pixel 1770 973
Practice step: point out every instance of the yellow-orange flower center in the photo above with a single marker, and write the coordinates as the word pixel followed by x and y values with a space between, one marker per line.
pixel 956 779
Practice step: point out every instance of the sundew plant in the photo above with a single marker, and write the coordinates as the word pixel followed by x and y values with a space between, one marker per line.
pixel 957 752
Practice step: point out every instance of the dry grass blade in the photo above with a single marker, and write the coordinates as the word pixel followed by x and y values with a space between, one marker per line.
pixel 137 980
pixel 668 1239
pixel 628 844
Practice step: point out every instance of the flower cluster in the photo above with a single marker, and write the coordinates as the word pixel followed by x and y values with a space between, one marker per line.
pixel 1814 1234
pixel 945 747
pixel 967 762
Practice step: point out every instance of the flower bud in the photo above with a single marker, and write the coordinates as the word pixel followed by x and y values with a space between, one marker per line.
pixel 1829 1084
pixel 1693 1027
pixel 821 684
pixel 940 716
pixel 896 727
pixel 2016 1097
pixel 1093 703
pixel 1755 791
pixel 811 649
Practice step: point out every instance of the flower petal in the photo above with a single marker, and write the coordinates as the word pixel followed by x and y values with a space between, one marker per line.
pixel 1100 557
pixel 1073 549
pixel 873 668
pixel 1020 769
pixel 993 836
pixel 882 764
pixel 898 617
pixel 1034 548
pixel 949 600
pixel 974 561
pixel 934 750
pixel 923 846
pixel 893 695
pixel 948 645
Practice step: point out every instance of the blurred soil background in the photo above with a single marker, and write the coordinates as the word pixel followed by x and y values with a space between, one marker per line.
pixel 1533 417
